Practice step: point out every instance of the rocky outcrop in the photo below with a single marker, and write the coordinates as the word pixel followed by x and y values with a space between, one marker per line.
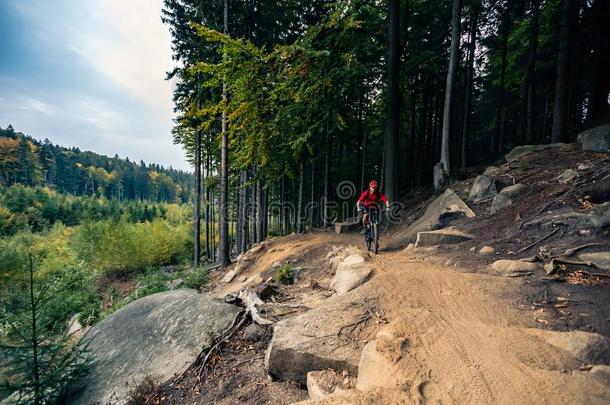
pixel 596 139
pixel 506 197
pixel 315 339
pixel 158 335
pixel 448 236
pixel 440 212
pixel 523 150
pixel 483 188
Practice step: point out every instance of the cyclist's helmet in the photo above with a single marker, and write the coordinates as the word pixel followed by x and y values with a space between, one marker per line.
pixel 373 183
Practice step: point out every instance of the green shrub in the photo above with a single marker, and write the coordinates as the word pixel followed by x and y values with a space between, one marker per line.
pixel 195 278
pixel 284 274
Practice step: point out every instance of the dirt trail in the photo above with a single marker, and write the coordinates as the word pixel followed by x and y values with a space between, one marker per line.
pixel 467 342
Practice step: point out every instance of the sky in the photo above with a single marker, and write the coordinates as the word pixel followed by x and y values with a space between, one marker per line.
pixel 89 74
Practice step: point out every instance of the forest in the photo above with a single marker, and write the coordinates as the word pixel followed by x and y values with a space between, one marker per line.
pixel 286 109
pixel 280 102
pixel 26 161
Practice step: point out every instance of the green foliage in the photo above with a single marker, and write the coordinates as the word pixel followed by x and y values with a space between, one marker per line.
pixel 38 208
pixel 195 278
pixel 42 360
pixel 284 274
pixel 118 247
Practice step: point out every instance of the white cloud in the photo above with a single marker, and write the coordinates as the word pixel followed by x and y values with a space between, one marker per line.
pixel 132 47
pixel 127 48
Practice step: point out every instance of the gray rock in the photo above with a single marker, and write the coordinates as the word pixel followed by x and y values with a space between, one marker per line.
pixel 589 348
pixel 486 250
pixel 601 260
pixel 310 341
pixel 440 177
pixel 158 335
pixel 601 371
pixel 440 211
pixel 506 198
pixel 596 139
pixel 513 266
pixel 567 176
pixel 350 274
pixel 347 226
pixel 446 236
pixel 484 187
pixel 176 283
pixel 253 332
pixel 323 383
pixel 523 150
pixel 378 365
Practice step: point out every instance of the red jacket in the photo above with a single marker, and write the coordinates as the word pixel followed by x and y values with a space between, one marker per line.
pixel 372 199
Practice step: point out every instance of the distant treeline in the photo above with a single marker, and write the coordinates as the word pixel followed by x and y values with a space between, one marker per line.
pixel 38 208
pixel 27 161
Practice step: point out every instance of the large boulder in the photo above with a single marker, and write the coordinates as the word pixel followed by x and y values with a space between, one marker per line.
pixel 448 236
pixel 351 273
pixel 318 339
pixel 159 335
pixel 506 197
pixel 440 211
pixel 522 150
pixel 483 188
pixel 596 139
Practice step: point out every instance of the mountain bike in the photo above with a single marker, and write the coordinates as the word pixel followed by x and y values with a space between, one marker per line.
pixel 371 234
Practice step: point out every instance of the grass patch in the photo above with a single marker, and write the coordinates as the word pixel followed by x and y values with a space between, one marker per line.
pixel 284 274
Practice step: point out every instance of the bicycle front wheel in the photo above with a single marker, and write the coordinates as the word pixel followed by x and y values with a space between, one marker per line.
pixel 375 237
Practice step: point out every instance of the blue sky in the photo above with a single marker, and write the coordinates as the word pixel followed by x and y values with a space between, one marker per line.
pixel 89 73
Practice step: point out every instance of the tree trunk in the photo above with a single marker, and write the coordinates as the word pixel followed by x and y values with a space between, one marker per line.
pixel 472 37
pixel 600 75
pixel 391 138
pixel 299 217
pixel 326 182
pixel 259 211
pixel 197 213
pixel 497 140
pixel 530 81
pixel 313 195
pixel 225 260
pixel 450 85
pixel 560 107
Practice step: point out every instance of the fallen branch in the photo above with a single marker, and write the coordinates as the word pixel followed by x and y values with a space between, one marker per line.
pixel 217 345
pixel 570 252
pixel 531 245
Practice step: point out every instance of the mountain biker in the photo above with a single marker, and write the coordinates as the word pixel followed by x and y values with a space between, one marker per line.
pixel 369 199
